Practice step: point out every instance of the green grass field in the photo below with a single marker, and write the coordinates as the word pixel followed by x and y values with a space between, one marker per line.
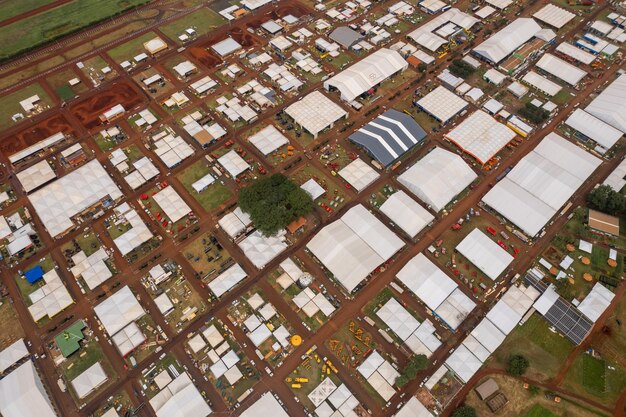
pixel 202 21
pixel 52 24
pixel 128 50
pixel 545 350
pixel 10 104
pixel 211 197
pixel 539 411
pixel 11 8
pixel 599 379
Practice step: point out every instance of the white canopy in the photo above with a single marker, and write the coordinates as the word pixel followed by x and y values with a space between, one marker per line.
pixel 503 43
pixel 119 310
pixel 22 394
pixel 265 406
pixel 315 112
pixel 442 104
pixel 596 302
pixel 561 69
pixel 172 204
pixel 406 213
pixel 227 280
pixel 610 106
pixel 358 174
pixel 595 129
pixel 268 139
pixel 233 163
pixel 427 281
pixel 486 254
pixel 85 383
pixel 12 354
pixel 261 249
pixel 438 177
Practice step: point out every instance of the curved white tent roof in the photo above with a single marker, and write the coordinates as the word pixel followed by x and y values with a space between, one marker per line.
pixel 367 73
pixel 22 394
pixel 483 252
pixel 438 177
pixel 610 105
pixel 508 39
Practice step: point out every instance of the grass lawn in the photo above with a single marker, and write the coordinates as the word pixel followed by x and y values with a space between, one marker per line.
pixel 602 380
pixel 539 411
pixel 562 97
pixel 52 24
pixel 203 21
pixel 613 343
pixel 130 49
pixel 10 324
pixel 10 104
pixel 10 8
pixel 59 81
pixel 546 351
pixel 210 198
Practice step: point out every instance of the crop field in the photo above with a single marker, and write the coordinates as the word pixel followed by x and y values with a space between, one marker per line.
pixel 202 21
pixel 12 8
pixel 34 31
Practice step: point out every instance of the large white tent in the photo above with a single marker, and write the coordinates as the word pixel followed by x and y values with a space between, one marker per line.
pixel 172 204
pixel 315 112
pixel 135 236
pixel 353 246
pixel 119 310
pixel 89 380
pixel 438 177
pixel 554 16
pixel 180 398
pixel 413 408
pixel 481 136
pixel 268 139
pixel 424 279
pixel 610 106
pixel 261 249
pixel 235 222
pixel 539 185
pixel 561 69
pixel 227 280
pixel 486 254
pixel 367 73
pixel 398 318
pixel 82 188
pixel 442 104
pixel 233 163
pixel 593 128
pixel 463 363
pixel 36 175
pixel 507 40
pixel 406 213
pixel 541 83
pixel 358 174
pixel 22 394
pixel 267 405
pixel 596 302
pixel 578 54
pixel 12 354
pixel 430 36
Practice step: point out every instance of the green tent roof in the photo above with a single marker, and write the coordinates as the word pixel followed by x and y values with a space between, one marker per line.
pixel 68 340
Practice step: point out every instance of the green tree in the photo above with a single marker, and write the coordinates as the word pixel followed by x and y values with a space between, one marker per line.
pixel 416 363
pixel 274 202
pixel 464 411
pixel 517 365
pixel 606 199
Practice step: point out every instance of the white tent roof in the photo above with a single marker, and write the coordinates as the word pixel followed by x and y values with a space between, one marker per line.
pixel 424 279
pixel 455 308
pixel 481 136
pixel 233 163
pixel 561 69
pixel 577 53
pixel 261 249
pixel 406 213
pixel 235 222
pixel 12 354
pixel 225 47
pixel 438 177
pixel 488 335
pixel 36 175
pixel 268 139
pixel 398 318
pixel 508 39
pixel 483 252
pixel 354 246
pixel 265 406
pixel 554 16
pixel 315 112
pixel 367 73
pixel 135 236
pixel 500 4
pixel 22 394
pixel 596 302
pixel 358 174
pixel 413 408
pixel 541 83
pixel 537 187
pixel 89 380
pixel 610 106
pixel 227 280
pixel 426 35
pixel 442 104
pixel 180 398
pixel 594 128
pixel 463 363
pixel 118 310
pixel 203 183
pixel 80 189
pixel 313 189
pixel 172 204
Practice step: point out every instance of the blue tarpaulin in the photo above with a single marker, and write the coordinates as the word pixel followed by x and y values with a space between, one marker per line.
pixel 34 274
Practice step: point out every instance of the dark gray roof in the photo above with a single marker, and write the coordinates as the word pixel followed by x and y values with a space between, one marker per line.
pixel 345 36
pixel 389 136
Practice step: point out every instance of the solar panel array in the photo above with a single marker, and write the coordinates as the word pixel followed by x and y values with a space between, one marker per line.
pixel 566 318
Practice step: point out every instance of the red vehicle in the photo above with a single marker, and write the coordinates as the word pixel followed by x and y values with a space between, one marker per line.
pixel 492 230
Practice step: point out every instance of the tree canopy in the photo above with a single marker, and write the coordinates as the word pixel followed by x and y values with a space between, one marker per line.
pixel 274 202
pixel 517 365
pixel 416 364
pixel 464 411
pixel 607 200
